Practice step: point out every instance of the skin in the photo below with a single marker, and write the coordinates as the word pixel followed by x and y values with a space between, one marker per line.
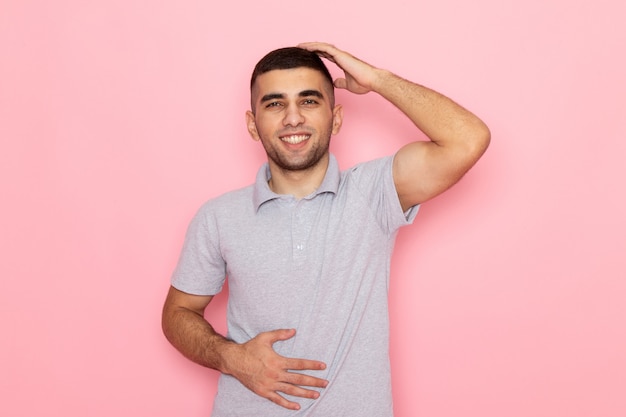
pixel 296 103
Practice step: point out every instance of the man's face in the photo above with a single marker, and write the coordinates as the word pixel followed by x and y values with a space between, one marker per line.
pixel 293 117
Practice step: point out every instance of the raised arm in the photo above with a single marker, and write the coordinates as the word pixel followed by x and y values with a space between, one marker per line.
pixel 254 363
pixel 422 169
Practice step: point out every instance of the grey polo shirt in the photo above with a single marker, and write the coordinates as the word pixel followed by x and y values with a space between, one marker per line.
pixel 320 265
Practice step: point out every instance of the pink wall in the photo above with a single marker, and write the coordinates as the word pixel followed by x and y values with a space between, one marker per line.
pixel 118 119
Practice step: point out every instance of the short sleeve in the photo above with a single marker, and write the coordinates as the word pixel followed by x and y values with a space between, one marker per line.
pixel 375 181
pixel 201 270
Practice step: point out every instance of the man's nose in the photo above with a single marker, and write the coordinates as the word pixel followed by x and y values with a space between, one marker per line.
pixel 293 116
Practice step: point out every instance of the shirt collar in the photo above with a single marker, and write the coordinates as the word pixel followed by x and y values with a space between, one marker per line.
pixel 262 192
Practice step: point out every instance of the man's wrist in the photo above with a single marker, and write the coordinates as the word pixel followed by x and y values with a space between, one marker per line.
pixel 226 353
pixel 381 80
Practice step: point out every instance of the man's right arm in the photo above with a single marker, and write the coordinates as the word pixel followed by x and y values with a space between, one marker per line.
pixel 186 329
pixel 254 363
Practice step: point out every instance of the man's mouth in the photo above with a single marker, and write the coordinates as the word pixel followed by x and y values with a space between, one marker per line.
pixel 294 139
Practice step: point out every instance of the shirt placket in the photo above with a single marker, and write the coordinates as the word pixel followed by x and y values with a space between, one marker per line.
pixel 299 231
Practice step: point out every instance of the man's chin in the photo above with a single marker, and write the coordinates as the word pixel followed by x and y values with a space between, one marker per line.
pixel 299 164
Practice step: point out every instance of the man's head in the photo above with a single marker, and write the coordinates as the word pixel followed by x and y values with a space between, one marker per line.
pixel 289 58
pixel 293 108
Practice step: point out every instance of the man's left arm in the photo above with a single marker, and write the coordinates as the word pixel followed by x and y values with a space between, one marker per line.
pixel 421 169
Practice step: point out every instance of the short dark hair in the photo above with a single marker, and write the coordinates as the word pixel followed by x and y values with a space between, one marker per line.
pixel 288 58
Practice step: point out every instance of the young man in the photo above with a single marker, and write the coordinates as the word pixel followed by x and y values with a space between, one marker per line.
pixel 307 248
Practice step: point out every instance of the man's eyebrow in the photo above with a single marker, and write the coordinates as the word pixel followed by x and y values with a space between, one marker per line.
pixel 303 93
pixel 272 96
pixel 311 93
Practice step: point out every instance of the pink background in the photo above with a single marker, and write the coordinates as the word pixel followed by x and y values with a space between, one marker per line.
pixel 119 118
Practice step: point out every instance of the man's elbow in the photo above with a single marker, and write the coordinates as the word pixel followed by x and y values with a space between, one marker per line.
pixel 478 140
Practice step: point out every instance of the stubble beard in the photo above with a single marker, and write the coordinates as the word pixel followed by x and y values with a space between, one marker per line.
pixel 287 162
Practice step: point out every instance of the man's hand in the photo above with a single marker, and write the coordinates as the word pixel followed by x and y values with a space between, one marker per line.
pixel 360 76
pixel 258 367
pixel 254 363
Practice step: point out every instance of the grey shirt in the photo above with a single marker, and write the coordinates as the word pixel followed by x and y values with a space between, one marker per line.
pixel 319 265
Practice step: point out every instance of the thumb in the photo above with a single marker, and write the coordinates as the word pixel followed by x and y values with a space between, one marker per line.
pixel 341 83
pixel 279 334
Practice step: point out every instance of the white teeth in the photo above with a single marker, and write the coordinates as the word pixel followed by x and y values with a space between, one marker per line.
pixel 295 139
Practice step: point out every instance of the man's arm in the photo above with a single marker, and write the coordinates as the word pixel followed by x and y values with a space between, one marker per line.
pixel 422 169
pixel 254 363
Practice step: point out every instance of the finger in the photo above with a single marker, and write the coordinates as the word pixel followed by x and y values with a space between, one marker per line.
pixel 304 364
pixel 297 391
pixel 278 335
pixel 282 401
pixel 324 50
pixel 317 46
pixel 303 380
pixel 341 83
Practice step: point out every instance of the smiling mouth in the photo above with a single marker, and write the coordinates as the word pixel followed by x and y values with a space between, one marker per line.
pixel 295 139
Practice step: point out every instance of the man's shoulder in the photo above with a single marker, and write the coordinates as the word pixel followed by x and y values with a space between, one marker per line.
pixel 229 200
pixel 368 167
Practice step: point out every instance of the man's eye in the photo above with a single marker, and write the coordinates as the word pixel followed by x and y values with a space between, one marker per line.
pixel 309 101
pixel 273 104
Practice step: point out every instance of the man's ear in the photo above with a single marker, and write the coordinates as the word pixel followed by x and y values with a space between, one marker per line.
pixel 251 124
pixel 337 118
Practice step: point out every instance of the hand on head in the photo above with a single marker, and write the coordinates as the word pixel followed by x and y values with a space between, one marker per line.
pixel 360 77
